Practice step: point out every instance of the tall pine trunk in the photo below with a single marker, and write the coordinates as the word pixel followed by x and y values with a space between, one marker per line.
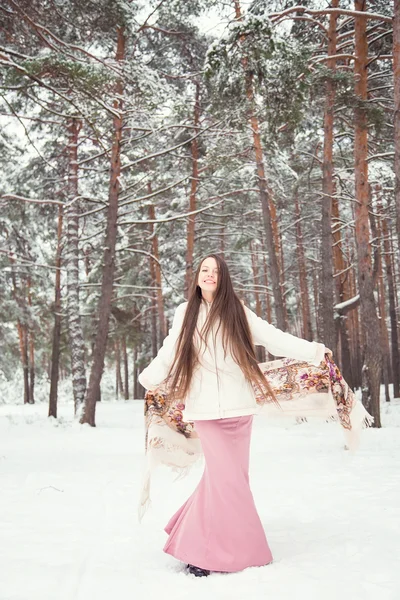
pixel 76 341
pixel 31 337
pixel 396 116
pixel 22 329
pixel 260 350
pixel 126 367
pixel 255 278
pixel 265 273
pixel 55 352
pixel 371 368
pixel 155 271
pixel 301 261
pixel 271 240
pixel 106 290
pixel 376 229
pixel 193 193
pixel 342 286
pixel 119 388
pixel 326 293
pixel 23 346
pixel 395 362
pixel 153 299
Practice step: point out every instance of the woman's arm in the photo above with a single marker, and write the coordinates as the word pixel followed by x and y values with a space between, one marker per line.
pixel 157 370
pixel 279 343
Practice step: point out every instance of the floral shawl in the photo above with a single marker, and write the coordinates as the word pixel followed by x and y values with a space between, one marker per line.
pixel 302 390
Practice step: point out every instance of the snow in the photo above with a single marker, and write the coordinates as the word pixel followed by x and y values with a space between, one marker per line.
pixel 349 302
pixel 68 511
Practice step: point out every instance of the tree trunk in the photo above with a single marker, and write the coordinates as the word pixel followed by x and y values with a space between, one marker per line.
pixel 255 279
pixel 395 362
pixel 326 294
pixel 356 342
pixel 301 261
pixel 23 346
pixel 342 286
pixel 22 331
pixel 371 369
pixel 384 335
pixel 126 367
pixel 393 310
pixel 223 233
pixel 156 274
pixel 282 269
pixel 118 378
pixel 106 292
pixel 272 243
pixel 376 226
pixel 55 352
pixel 260 351
pixel 31 338
pixel 396 113
pixel 315 281
pixel 76 341
pixel 267 299
pixel 138 389
pixel 153 299
pixel 193 192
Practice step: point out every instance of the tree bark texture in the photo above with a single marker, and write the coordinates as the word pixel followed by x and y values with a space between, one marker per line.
pixel 326 292
pixel 267 298
pixel 272 243
pixel 194 146
pixel 153 298
pixel 76 341
pixel 371 368
pixel 301 261
pixel 22 329
pixel 342 287
pixel 126 367
pixel 55 352
pixel 396 113
pixel 155 270
pixel 31 337
pixel 106 291
pixel 394 337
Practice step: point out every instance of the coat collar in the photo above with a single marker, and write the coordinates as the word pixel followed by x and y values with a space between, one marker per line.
pixel 206 302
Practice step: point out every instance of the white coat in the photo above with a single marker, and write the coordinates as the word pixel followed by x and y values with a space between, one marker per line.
pixel 219 388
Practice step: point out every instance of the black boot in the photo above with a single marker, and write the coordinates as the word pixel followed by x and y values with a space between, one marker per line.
pixel 198 572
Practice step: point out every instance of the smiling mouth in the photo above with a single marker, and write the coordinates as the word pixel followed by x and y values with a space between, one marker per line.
pixel 209 281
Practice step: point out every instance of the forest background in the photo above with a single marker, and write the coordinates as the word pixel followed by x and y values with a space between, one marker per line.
pixel 139 136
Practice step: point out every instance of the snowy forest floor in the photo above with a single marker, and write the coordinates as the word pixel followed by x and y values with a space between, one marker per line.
pixel 68 511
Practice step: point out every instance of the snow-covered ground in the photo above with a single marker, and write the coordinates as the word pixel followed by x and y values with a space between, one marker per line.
pixel 68 511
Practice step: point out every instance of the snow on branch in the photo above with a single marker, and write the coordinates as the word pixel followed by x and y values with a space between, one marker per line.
pixel 24 262
pixel 347 304
pixel 329 11
pixel 193 212
pixel 32 200
pixel 167 150
pixel 382 155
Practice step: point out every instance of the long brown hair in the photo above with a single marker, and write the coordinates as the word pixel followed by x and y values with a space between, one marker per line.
pixel 236 334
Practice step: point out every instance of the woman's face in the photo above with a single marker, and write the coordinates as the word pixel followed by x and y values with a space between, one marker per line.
pixel 208 276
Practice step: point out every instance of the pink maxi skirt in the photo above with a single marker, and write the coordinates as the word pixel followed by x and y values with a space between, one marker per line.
pixel 218 527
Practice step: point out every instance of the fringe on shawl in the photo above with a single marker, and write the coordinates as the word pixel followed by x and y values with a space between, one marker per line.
pixel 165 446
pixel 360 418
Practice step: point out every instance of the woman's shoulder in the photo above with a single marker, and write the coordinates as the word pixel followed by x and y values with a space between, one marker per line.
pixel 181 308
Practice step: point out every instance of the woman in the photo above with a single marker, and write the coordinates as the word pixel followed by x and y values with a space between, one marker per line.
pixel 209 361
